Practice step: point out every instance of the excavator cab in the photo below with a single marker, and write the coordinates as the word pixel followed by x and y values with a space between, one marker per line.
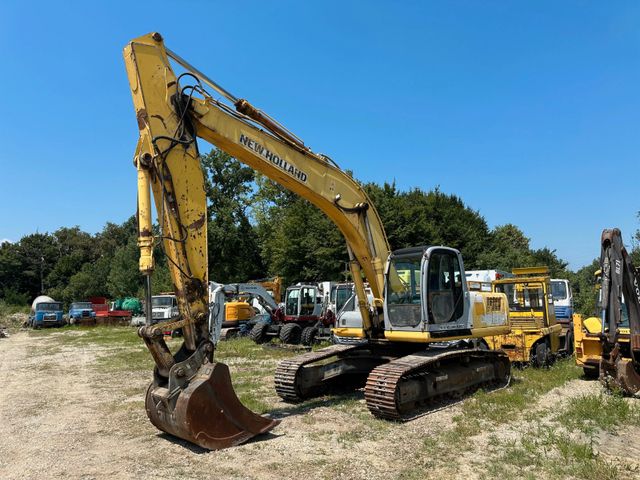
pixel 425 290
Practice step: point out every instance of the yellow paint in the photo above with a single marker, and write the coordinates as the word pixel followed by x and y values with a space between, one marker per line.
pixel 529 326
pixel 586 341
pixel 238 311
pixel 348 332
pixel 425 337
pixel 529 271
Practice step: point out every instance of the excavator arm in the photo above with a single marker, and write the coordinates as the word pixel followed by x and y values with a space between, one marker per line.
pixel 191 396
pixel 170 118
pixel 620 279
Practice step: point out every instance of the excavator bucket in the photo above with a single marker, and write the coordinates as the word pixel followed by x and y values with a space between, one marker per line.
pixel 628 377
pixel 620 373
pixel 206 412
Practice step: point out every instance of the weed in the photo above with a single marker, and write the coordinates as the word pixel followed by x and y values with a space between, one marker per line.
pixel 544 450
pixel 590 413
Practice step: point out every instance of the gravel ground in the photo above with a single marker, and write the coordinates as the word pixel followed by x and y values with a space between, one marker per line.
pixel 61 416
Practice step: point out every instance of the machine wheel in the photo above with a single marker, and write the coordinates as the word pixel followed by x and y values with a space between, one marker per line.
pixel 592 373
pixel 309 335
pixel 259 333
pixel 568 344
pixel 541 357
pixel 291 333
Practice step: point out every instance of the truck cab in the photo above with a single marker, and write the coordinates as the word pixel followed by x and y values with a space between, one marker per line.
pixel 164 307
pixel 340 295
pixel 79 311
pixel 46 312
pixel 563 305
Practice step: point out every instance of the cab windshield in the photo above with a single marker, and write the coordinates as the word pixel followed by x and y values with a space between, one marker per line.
pixel 340 294
pixel 291 304
pixel 49 307
pixel 403 291
pixel 559 290
pixel 523 296
pixel 80 305
pixel 161 301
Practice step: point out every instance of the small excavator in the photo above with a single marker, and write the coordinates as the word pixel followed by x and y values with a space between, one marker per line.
pixel 239 313
pixel 421 336
pixel 620 360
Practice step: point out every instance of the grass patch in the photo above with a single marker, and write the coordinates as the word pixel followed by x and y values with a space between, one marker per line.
pixel 485 410
pixel 551 454
pixel 527 385
pixel 590 413
pixel 246 349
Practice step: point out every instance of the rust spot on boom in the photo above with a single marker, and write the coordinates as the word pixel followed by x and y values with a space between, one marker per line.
pixel 142 119
pixel 198 223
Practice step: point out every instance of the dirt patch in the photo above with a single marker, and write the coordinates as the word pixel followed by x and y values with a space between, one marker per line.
pixel 66 416
pixel 14 321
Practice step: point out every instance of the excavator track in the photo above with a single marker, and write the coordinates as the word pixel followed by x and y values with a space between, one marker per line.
pixel 310 374
pixel 398 389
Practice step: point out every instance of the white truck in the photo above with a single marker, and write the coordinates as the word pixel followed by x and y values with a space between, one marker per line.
pixel 164 307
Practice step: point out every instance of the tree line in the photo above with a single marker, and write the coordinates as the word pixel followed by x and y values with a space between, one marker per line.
pixel 258 229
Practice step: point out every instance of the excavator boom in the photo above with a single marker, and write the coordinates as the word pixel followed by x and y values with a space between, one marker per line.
pixel 191 396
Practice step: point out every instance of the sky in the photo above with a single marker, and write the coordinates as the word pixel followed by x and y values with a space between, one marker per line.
pixel 529 111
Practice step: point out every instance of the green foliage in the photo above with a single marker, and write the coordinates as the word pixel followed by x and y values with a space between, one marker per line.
pixel 256 228
pixel 124 276
pixel 304 245
pixel 234 253
pixel 583 284
pixel 416 217
pixel 90 281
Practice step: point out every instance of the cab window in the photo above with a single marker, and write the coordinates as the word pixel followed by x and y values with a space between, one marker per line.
pixel 308 299
pixel 403 291
pixel 291 305
pixel 444 288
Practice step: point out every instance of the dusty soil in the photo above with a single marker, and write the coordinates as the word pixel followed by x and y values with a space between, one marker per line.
pixel 61 417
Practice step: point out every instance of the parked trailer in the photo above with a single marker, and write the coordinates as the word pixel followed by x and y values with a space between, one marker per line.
pixel 107 316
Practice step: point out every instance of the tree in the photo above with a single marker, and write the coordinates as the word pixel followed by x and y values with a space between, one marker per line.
pixel 305 245
pixel 506 249
pixel 548 258
pixel 234 253
pixel 38 256
pixel 90 281
pixel 583 285
pixel 124 277
pixel 416 218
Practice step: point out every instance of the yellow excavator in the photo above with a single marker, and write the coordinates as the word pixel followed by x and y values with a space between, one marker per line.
pixel 420 339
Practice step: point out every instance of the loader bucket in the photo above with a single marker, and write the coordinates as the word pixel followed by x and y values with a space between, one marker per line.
pixel 206 412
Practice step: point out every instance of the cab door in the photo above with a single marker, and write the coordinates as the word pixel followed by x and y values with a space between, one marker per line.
pixel 444 290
